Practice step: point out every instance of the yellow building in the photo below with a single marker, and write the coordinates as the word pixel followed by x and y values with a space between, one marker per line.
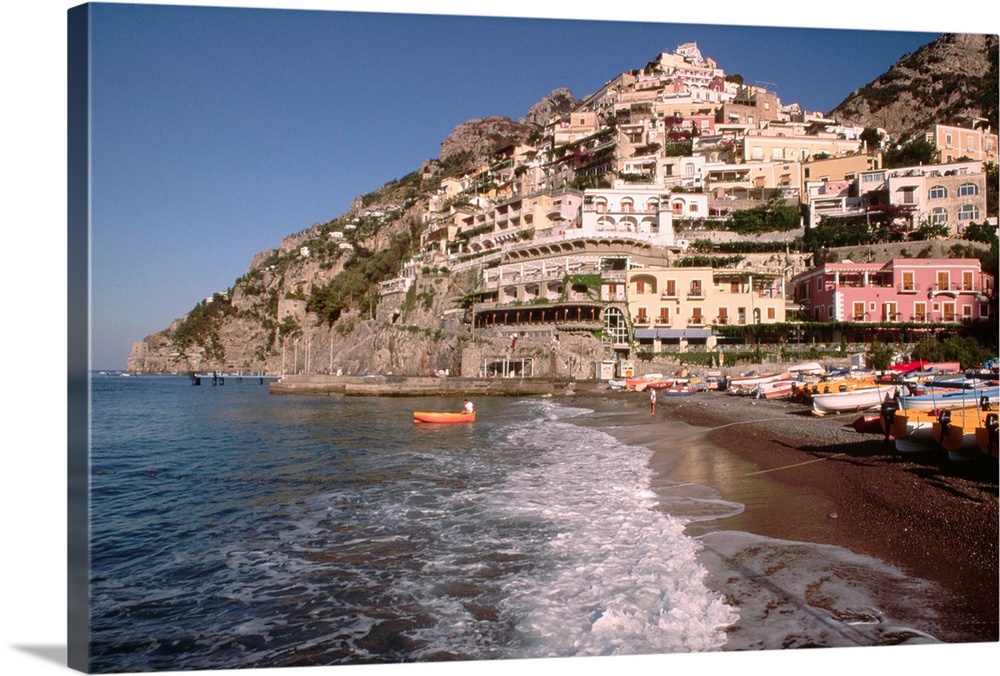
pixel 681 305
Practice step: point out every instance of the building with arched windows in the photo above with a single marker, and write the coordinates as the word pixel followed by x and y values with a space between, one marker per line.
pixel 952 195
pixel 643 211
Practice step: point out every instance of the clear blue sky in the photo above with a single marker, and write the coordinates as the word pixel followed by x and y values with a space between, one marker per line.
pixel 217 131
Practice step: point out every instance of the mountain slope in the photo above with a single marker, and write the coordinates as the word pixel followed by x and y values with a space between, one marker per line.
pixel 948 81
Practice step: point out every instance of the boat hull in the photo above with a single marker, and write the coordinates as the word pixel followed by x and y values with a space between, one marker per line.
pixel 861 399
pixel 443 418
pixel 949 399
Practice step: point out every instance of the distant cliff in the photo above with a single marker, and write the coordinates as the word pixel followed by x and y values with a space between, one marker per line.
pixel 948 81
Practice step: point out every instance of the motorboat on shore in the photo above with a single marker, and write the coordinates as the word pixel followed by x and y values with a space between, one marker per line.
pixel 737 384
pixel 955 432
pixel 639 383
pixel 682 390
pixel 948 398
pixel 843 382
pixel 987 435
pixel 856 400
pixel 913 431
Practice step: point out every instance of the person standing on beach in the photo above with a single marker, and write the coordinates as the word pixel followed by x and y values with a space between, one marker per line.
pixel 652 400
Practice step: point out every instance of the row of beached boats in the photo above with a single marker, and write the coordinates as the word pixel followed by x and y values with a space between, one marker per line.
pixel 917 405
pixel 680 385
pixel 958 415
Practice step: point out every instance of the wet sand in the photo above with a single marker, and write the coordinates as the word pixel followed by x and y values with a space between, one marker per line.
pixel 815 479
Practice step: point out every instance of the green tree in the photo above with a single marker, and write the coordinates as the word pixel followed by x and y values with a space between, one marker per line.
pixel 872 138
pixel 880 355
pixel 965 350
pixel 920 151
pixel 992 186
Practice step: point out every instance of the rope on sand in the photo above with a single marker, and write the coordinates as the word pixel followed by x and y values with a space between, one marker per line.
pixel 773 469
pixel 797 464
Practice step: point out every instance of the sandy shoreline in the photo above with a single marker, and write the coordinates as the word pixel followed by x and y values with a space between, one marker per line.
pixel 817 480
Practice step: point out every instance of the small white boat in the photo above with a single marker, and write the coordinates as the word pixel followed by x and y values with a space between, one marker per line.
pixel 810 368
pixel 860 399
pixel 948 398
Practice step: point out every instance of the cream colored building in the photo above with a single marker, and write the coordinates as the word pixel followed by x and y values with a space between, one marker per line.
pixel 667 305
pixel 776 145
pixel 753 180
pixel 574 127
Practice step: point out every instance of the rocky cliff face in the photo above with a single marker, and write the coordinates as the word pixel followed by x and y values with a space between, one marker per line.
pixel 949 81
pixel 559 102
pixel 478 139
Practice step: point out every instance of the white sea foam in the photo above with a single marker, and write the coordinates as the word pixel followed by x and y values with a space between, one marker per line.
pixel 619 577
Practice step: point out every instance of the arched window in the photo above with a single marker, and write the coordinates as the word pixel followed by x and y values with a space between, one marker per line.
pixel 938 192
pixel 939 215
pixel 615 326
pixel 968 212
pixel 627 205
pixel 968 189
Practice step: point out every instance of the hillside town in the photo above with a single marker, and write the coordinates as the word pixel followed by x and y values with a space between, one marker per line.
pixel 673 209
pixel 689 147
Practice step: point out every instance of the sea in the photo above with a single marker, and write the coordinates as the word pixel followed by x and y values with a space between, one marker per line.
pixel 233 528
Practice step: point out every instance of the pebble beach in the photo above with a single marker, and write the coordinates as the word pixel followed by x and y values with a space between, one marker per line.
pixel 812 479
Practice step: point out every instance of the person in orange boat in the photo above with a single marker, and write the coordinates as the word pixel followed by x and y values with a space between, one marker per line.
pixel 467 405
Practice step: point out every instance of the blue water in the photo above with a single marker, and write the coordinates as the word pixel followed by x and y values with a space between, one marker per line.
pixel 234 528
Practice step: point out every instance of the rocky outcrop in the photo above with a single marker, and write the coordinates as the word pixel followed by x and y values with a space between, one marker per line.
pixel 949 81
pixel 559 102
pixel 479 139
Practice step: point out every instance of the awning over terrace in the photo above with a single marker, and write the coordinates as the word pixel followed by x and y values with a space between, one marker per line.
pixel 672 333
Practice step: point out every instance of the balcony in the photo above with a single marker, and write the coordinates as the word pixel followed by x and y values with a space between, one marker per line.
pixel 954 289
pixel 696 321
pixel 696 292
pixel 908 287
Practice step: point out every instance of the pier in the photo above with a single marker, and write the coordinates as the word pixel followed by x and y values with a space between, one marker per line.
pixel 421 386
pixel 220 378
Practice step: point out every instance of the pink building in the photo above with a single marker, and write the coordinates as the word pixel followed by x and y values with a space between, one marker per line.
pixel 922 290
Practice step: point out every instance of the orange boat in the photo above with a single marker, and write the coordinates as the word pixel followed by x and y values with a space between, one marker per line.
pixel 955 431
pixel 987 435
pixel 442 417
